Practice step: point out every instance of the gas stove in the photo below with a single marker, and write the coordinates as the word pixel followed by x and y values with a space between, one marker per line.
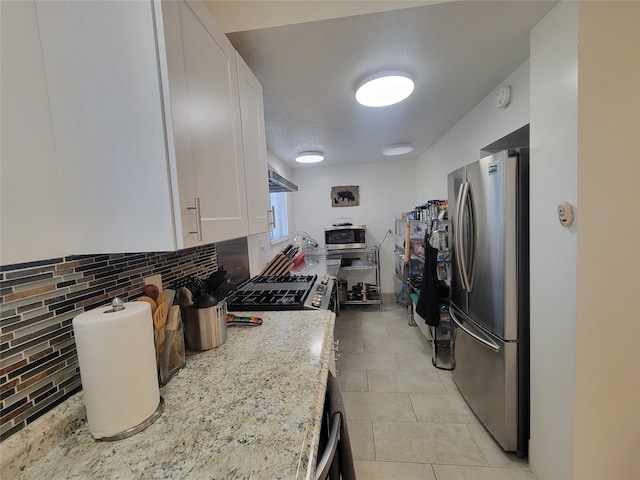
pixel 283 292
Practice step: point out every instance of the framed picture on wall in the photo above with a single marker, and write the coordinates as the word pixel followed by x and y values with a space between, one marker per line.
pixel 345 196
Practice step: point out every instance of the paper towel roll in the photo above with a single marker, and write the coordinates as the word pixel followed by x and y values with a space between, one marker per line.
pixel 117 367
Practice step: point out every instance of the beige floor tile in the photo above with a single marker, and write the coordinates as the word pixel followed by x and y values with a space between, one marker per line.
pixel 394 407
pixel 404 381
pixel 403 330
pixel 353 380
pixel 440 408
pixel 447 380
pixel 391 345
pixel 393 471
pixel 448 443
pixel 415 361
pixel 457 472
pixel 357 331
pixel 351 344
pixel 403 413
pixel 368 361
pixel 495 455
pixel 361 436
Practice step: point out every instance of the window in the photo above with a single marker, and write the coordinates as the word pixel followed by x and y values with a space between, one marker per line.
pixel 280 232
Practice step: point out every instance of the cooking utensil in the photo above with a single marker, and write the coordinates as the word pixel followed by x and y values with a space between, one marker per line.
pixel 160 316
pixel 170 330
pixel 246 321
pixel 171 295
pixel 215 280
pixel 205 301
pixel 150 301
pixel 184 297
pixel 162 297
pixel 152 291
pixel 159 320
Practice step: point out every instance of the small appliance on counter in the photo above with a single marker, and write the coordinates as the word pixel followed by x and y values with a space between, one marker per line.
pixel 345 236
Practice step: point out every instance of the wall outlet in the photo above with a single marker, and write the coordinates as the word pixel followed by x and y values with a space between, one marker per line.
pixel 154 280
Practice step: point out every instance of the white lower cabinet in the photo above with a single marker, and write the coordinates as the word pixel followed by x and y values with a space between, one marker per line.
pixel 146 119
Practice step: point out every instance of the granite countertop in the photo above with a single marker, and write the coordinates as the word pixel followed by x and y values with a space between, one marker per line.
pixel 251 408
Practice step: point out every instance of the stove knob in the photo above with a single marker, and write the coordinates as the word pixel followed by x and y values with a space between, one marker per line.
pixel 325 279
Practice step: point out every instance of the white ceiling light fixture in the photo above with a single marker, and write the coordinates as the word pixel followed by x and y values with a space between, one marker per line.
pixel 309 157
pixel 384 88
pixel 397 149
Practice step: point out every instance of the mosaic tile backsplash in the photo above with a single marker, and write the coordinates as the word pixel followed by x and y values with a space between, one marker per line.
pixel 38 361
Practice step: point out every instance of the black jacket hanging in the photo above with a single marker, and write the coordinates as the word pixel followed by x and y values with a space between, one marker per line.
pixel 427 306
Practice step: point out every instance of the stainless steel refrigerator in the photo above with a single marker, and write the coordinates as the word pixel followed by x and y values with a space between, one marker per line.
pixel 489 222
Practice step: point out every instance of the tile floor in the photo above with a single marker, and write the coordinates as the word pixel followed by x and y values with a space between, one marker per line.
pixel 406 418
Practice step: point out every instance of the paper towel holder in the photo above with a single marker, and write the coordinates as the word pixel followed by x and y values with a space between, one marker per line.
pixel 138 428
pixel 117 304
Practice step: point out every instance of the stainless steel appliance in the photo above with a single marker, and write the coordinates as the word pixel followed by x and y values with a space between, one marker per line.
pixel 489 221
pixel 284 292
pixel 345 236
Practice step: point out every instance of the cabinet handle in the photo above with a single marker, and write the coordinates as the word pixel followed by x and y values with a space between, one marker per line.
pixel 272 211
pixel 198 230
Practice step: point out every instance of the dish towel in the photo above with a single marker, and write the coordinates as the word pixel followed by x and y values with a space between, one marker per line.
pixel 344 467
pixel 427 306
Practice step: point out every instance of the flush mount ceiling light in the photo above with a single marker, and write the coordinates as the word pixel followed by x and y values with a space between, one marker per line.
pixel 309 157
pixel 397 149
pixel 384 88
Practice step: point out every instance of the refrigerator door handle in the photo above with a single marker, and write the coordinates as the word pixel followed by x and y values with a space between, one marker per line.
pixel 487 343
pixel 470 215
pixel 460 253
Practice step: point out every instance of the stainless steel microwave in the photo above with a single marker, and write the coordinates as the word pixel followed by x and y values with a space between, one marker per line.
pixel 345 236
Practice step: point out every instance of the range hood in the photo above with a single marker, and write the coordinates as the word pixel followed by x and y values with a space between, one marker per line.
pixel 277 183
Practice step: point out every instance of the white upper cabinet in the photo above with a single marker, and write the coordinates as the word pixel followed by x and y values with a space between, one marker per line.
pixel 104 91
pixel 31 203
pixel 202 83
pixel 254 147
pixel 145 108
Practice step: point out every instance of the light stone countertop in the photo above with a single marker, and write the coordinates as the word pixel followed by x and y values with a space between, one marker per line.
pixel 249 409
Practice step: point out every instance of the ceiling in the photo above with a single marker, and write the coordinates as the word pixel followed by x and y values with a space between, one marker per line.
pixel 457 52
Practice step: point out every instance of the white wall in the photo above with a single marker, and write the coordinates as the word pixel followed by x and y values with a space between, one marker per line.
pixel 386 190
pixel 554 83
pixel 480 127
pixel 607 379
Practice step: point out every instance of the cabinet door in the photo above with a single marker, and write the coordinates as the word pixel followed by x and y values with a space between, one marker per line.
pixel 210 107
pixel 31 203
pixel 105 102
pixel 254 147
